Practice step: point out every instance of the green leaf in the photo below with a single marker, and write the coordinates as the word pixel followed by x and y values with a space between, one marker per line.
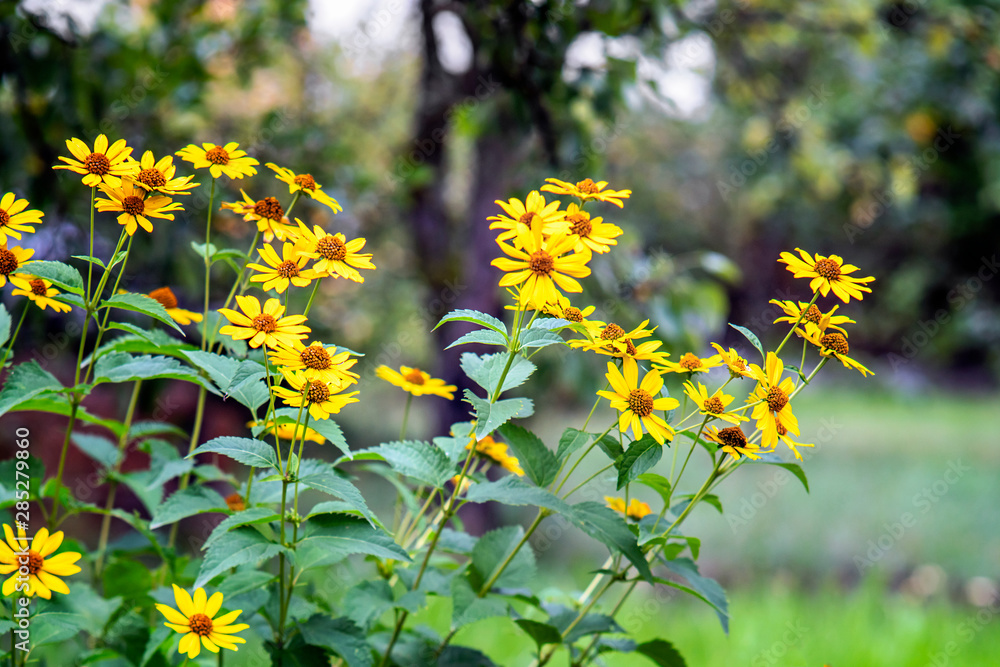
pixel 330 481
pixel 26 381
pixel 240 546
pixel 540 633
pixel 662 653
pixel 705 588
pixel 98 448
pixel 167 470
pixel 481 337
pixel 140 303
pixel 750 337
pixel 603 524
pixel 254 453
pixel 244 581
pixel 657 483
pixel 422 461
pixel 486 370
pixel 59 274
pixel 572 439
pixel 341 636
pixel 640 456
pixel 588 625
pixel 188 502
pixel 490 416
pixel 610 445
pixel 327 428
pixel 248 516
pixel 538 462
pixel 53 627
pixel 157 638
pixel 492 549
pixel 468 607
pixel 5 322
pixel 340 535
pixel 122 367
pixel 133 329
pixel 485 320
pixel 775 460
pixel 463 656
pixel 512 490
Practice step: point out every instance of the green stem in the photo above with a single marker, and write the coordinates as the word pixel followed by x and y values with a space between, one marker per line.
pixel 584 482
pixel 790 331
pixel 311 298
pixel 506 561
pixel 239 285
pixel 406 415
pixel 102 327
pixel 208 266
pixel 199 417
pixel 576 464
pixel 90 264
pixel 10 345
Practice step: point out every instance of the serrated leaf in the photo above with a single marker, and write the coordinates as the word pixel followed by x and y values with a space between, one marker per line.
pixel 329 481
pixel 538 462
pixel 572 439
pixel 248 516
pixel 588 625
pixel 188 502
pixel 794 468
pixel 662 653
pixel 140 303
pixel 240 546
pixel 5 322
pixel 468 607
pixel 244 581
pixel 481 337
pixel 122 367
pixel 167 470
pixel 327 428
pixel 540 633
pixel 422 461
pixel 340 535
pixel 463 656
pixel 485 370
pixel 657 483
pixel 640 456
pixel 750 336
pixel 603 524
pixel 341 636
pixel 53 627
pixel 26 381
pixel 490 416
pixel 477 317
pixel 491 551
pixel 512 490
pixel 98 448
pixel 537 338
pixel 135 330
pixel 610 446
pixel 59 274
pixel 254 453
pixel 704 588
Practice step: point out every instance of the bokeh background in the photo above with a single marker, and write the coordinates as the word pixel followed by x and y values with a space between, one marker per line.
pixel 861 128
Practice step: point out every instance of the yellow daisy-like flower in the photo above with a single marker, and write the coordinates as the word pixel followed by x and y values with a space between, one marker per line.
pixel 166 298
pixel 228 159
pixel 264 326
pixel 416 382
pixel 39 291
pixel 151 174
pixel 11 259
pixel 714 405
pixel 317 362
pixel 792 445
pixel 609 338
pixel 321 398
pixel 636 401
pixel 834 345
pixel 827 274
pixel 636 508
pixel 267 213
pixel 497 452
pixel 594 233
pixel 736 364
pixel 14 219
pixel 280 272
pixel 103 165
pixel 197 621
pixel 135 206
pixel 335 256
pixel 733 441
pixel 44 569
pixel 691 363
pixel 286 431
pixel 587 189
pixel 542 267
pixel 304 183
pixel 523 218
pixel 803 312
pixel 772 391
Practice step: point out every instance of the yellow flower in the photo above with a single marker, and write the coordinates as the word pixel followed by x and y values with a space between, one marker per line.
pixel 772 391
pixel 612 339
pixel 736 364
pixel 828 274
pixel 102 165
pixel 268 214
pixel 11 259
pixel 733 441
pixel 833 345
pixel 317 362
pixel 318 396
pixel 812 314
pixel 714 405
pixel 636 401
pixel 527 216
pixel 592 233
pixel 282 271
pixel 587 189
pixel 166 297
pixel 792 445
pixel 416 381
pixel 196 621
pixel 228 159
pixel 14 219
pixel 497 452
pixel 286 431
pixel 263 326
pixel 334 254
pixel 542 266
pixel 304 183
pixel 152 174
pixel 691 363
pixel 38 290
pixel 636 508
pixel 135 207
pixel 44 569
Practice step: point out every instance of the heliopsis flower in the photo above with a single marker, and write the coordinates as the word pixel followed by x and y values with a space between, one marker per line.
pixel 267 213
pixel 587 189
pixel 637 401
pixel 286 431
pixel 773 393
pixel 636 508
pixel 611 339
pixel 14 219
pixel 317 362
pixel 497 452
pixel 197 622
pixel 416 381
pixel 833 345
pixel 592 233
pixel 714 405
pixel 228 159
pixel 736 364
pixel 562 308
pixel 525 217
pixel 236 502
pixel 135 206
pixel 304 183
pixel 102 165
pixel 38 290
pixel 44 569
pixel 11 259
pixel 691 363
pixel 263 326
pixel 166 298
pixel 334 254
pixel 321 398
pixel 152 174
pixel 281 271
pixel 827 273
pixel 733 442
pixel 542 266
pixel 804 312
pixel 792 445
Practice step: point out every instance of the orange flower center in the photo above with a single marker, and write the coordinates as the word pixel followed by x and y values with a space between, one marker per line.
pixel 630 348
pixel 835 342
pixel 269 208
pixel 732 437
pixel 265 323
pixel 541 263
pixel 200 624
pixel 776 399
pixel 97 163
pixel 38 287
pixel 35 561
pixel 527 217
pixel 217 155
pixel 587 186
pixel 690 362
pixel 315 357
pixel 235 502
pixel 4 218
pixel 133 205
pixel 152 178
pixel 640 402
pixel 305 181
pixel 165 296
pixel 8 262
pixel 331 248
pixel 827 268
pixel 714 405
pixel 573 314
pixel 414 376
pixel 812 314
pixel 780 428
pixel 317 392
pixel 581 225
pixel 288 269
pixel 612 332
